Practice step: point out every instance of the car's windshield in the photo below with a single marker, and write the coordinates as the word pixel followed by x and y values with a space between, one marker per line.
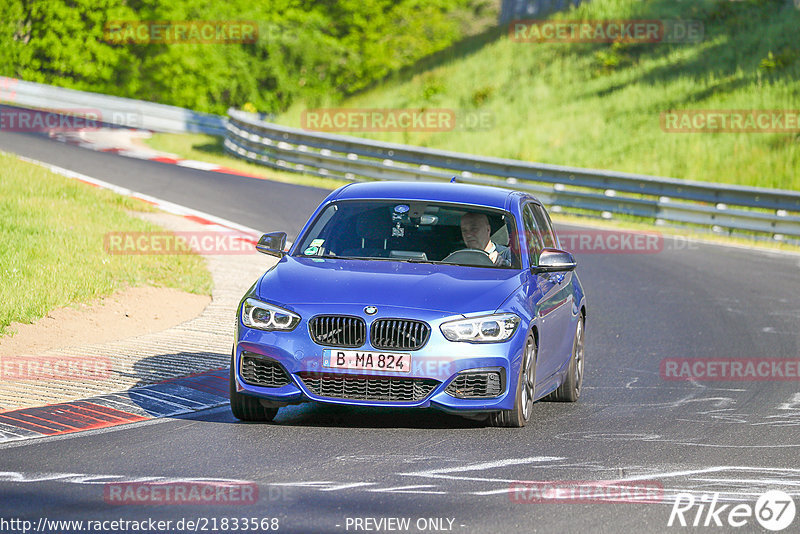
pixel 413 231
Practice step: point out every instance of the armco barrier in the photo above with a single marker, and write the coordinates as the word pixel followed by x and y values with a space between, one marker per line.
pixel 665 200
pixel 112 109
pixel 720 206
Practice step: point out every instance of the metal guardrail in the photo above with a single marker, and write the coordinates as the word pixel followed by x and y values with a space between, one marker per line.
pixel 732 207
pixel 111 109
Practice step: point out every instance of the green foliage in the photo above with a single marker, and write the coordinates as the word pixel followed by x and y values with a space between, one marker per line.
pixel 432 85
pixel 773 62
pixel 481 95
pixel 612 57
pixel 599 105
pixel 306 50
pixel 62 40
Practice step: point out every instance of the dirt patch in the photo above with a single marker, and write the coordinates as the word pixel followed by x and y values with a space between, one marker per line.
pixel 128 313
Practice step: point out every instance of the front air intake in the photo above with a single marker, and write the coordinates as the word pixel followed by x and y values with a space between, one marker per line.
pixel 399 334
pixel 370 388
pixel 260 371
pixel 338 330
pixel 476 385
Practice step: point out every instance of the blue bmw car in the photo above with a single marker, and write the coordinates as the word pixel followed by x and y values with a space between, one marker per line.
pixel 444 295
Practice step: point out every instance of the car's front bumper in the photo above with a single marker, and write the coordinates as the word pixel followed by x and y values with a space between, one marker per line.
pixel 439 361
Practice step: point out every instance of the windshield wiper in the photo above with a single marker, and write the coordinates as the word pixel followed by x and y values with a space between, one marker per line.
pixel 413 260
pixel 331 257
pixel 368 258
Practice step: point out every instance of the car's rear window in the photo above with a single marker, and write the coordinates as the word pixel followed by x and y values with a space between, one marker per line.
pixel 412 231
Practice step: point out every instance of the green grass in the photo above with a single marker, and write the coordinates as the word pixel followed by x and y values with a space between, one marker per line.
pixel 52 255
pixel 209 148
pixel 599 105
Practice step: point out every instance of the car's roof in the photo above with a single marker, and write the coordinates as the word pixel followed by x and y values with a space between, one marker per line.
pixel 434 191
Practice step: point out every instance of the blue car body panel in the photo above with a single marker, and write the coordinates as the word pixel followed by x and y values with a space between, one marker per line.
pixel 446 288
pixel 550 304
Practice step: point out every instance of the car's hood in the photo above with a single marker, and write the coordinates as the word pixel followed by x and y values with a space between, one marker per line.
pixel 447 288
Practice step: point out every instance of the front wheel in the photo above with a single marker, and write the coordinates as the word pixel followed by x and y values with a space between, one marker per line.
pixel 570 390
pixel 245 407
pixel 523 404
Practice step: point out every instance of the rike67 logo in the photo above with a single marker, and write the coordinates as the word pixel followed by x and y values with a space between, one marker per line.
pixel 774 511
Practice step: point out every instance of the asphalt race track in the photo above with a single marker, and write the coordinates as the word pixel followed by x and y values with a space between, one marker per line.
pixel 320 468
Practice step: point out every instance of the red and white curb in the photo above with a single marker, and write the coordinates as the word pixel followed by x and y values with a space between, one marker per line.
pixel 212 222
pixel 169 398
pixel 125 147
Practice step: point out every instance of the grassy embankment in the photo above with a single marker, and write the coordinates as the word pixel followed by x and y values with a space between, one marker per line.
pixel 599 105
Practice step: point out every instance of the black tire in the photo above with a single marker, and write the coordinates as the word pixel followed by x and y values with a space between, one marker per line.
pixel 245 407
pixel 523 401
pixel 570 390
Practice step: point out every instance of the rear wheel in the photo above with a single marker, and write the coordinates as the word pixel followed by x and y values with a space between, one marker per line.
pixel 570 390
pixel 523 405
pixel 245 407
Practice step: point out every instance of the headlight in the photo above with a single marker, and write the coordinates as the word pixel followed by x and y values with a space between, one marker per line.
pixel 257 314
pixel 486 329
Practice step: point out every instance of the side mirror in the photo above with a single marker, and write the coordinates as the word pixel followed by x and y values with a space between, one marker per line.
pixel 553 260
pixel 272 244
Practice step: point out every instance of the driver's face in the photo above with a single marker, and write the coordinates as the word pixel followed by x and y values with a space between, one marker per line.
pixel 475 230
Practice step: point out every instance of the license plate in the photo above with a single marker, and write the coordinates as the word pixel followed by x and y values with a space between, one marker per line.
pixel 368 361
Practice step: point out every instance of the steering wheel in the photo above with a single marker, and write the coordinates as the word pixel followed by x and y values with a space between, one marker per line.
pixel 469 256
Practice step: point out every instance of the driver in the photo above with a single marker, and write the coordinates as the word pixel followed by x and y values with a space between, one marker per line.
pixel 476 232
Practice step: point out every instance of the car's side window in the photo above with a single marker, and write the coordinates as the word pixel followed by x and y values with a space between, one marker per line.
pixel 532 234
pixel 545 227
